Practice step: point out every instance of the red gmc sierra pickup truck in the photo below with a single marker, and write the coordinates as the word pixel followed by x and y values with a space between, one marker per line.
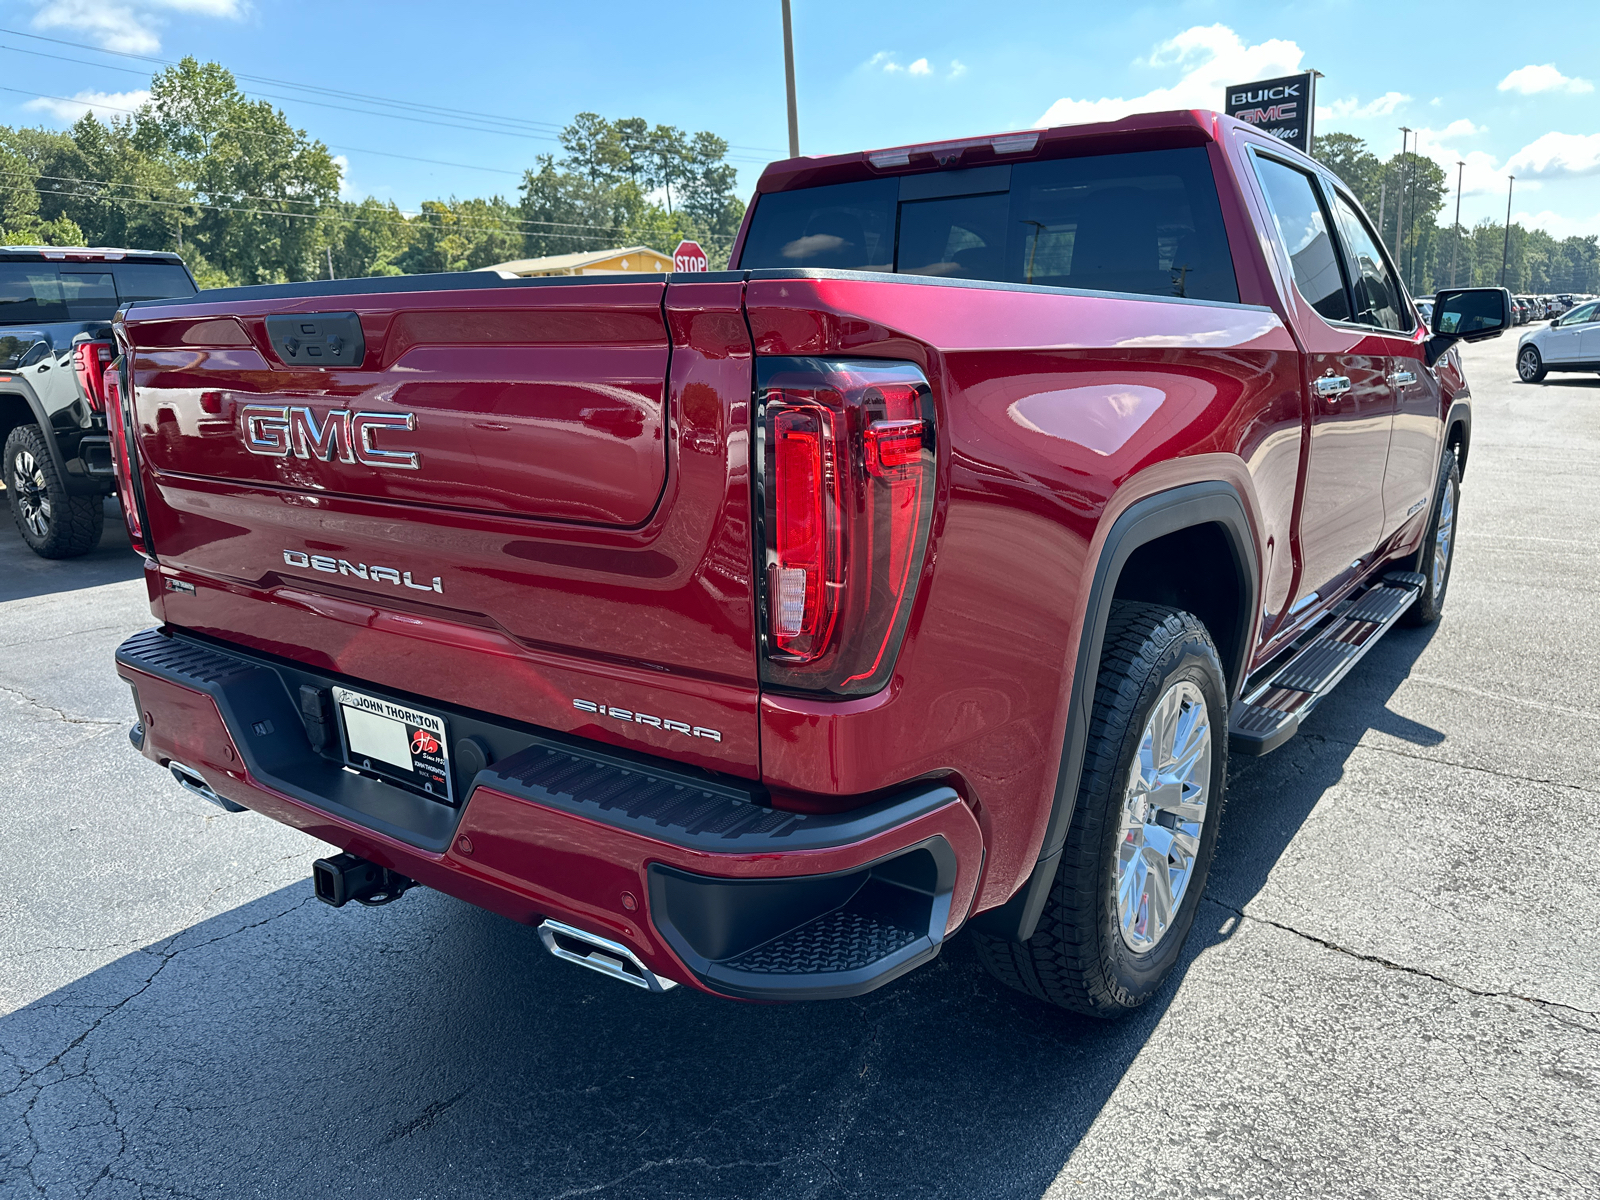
pixel 758 630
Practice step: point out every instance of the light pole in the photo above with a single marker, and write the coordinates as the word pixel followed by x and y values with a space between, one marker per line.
pixel 1455 233
pixel 1416 149
pixel 788 72
pixel 1505 249
pixel 1400 202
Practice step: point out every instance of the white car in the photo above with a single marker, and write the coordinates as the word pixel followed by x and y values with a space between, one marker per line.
pixel 1571 342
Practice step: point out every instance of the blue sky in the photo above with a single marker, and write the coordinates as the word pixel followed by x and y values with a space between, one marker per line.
pixel 1501 92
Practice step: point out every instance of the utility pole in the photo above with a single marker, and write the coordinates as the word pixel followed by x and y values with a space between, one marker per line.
pixel 1455 233
pixel 1400 203
pixel 329 249
pixel 788 72
pixel 1415 174
pixel 1505 249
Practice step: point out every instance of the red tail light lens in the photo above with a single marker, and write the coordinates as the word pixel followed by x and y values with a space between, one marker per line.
pixel 846 476
pixel 89 363
pixel 118 418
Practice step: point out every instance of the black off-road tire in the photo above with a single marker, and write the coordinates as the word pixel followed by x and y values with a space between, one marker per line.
pixel 52 523
pixel 1426 609
pixel 1077 957
pixel 1530 365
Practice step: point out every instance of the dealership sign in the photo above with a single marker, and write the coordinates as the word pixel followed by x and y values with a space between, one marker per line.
pixel 1282 107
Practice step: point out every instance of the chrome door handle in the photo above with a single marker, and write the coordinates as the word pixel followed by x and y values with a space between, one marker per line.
pixel 1332 385
pixel 1402 378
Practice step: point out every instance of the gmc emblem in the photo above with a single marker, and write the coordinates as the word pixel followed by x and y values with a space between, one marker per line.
pixel 279 430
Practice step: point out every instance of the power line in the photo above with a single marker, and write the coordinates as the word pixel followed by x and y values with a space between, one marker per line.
pixel 541 130
pixel 234 129
pixel 405 218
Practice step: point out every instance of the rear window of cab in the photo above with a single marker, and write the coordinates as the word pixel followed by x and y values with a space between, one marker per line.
pixel 36 292
pixel 1147 222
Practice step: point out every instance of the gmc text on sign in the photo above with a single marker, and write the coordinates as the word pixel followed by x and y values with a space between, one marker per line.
pixel 1282 107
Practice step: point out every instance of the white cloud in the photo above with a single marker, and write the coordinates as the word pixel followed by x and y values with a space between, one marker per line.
pixel 1461 127
pixel 132 26
pixel 1531 79
pixel 1557 225
pixel 347 189
pixel 884 60
pixel 1383 106
pixel 1212 58
pixel 1558 154
pixel 106 104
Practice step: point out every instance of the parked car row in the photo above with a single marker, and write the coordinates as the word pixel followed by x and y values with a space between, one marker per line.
pixel 1525 309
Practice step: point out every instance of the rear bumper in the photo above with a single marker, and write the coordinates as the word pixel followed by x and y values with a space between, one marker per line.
pixel 693 872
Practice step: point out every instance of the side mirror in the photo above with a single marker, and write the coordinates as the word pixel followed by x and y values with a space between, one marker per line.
pixel 1467 315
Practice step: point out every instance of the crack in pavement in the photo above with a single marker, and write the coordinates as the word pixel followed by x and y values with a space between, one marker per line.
pixel 60 714
pixel 1390 965
pixel 167 953
pixel 1506 698
pixel 76 633
pixel 1447 762
pixel 652 1164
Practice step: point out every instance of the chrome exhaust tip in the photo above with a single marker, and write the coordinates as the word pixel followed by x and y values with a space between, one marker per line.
pixel 600 954
pixel 191 780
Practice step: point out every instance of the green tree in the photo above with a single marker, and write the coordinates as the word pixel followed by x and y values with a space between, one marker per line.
pixel 261 186
pixel 1347 157
pixel 20 222
pixel 368 238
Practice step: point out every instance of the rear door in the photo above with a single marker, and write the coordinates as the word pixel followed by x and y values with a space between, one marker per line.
pixel 1564 342
pixel 1381 308
pixel 1349 393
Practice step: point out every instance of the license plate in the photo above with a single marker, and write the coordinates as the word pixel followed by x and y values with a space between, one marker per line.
pixel 397 741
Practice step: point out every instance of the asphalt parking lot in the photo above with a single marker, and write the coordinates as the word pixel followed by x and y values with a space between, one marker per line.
pixel 1393 988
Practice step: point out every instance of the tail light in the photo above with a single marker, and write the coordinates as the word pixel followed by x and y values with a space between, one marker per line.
pixel 119 421
pixel 89 363
pixel 846 479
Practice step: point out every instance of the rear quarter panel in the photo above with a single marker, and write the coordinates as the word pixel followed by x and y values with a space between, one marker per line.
pixel 1056 410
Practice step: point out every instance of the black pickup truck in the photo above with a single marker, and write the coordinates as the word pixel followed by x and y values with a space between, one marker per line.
pixel 56 305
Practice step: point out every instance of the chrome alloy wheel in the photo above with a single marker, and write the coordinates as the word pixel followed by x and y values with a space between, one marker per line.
pixel 1528 364
pixel 1163 813
pixel 1443 537
pixel 33 498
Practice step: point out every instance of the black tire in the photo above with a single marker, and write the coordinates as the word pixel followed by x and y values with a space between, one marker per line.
pixel 1446 505
pixel 1077 958
pixel 1530 365
pixel 54 524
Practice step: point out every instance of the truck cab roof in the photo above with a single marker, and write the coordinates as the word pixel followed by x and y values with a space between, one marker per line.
pixel 83 254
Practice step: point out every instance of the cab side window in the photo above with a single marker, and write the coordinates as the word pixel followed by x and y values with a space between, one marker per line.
pixel 1305 231
pixel 1379 300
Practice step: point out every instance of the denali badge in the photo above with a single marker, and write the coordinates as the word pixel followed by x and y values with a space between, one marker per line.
pixel 638 718
pixel 338 566
pixel 279 430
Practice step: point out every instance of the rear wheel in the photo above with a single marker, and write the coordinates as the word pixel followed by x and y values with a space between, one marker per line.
pixel 54 524
pixel 1530 365
pixel 1144 827
pixel 1437 554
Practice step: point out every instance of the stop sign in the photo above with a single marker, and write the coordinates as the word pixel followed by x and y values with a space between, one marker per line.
pixel 689 257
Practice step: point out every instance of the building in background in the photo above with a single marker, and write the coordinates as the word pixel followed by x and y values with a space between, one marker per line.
pixel 630 260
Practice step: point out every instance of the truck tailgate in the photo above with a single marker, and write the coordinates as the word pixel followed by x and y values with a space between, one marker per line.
pixel 507 503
